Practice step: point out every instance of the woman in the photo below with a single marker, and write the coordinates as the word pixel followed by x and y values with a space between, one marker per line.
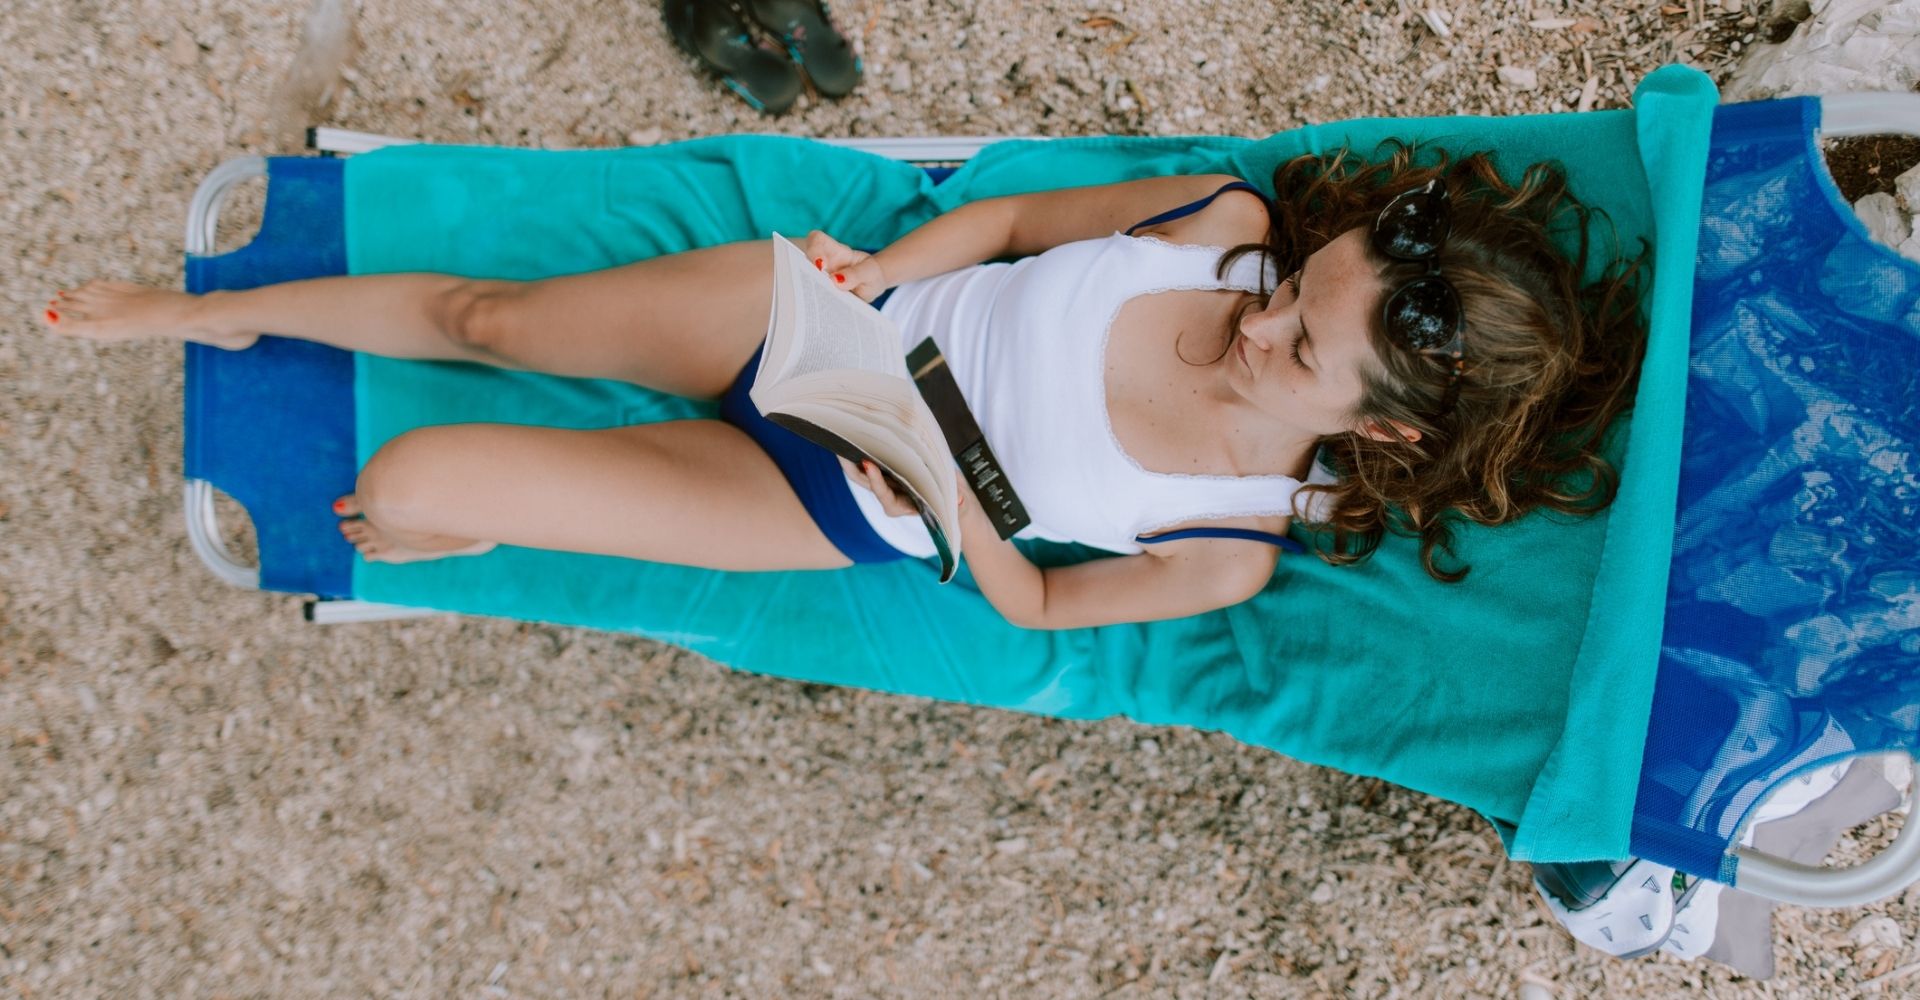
pixel 1414 325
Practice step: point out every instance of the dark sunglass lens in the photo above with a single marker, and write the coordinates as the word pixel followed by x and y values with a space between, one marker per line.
pixel 1424 314
pixel 1413 226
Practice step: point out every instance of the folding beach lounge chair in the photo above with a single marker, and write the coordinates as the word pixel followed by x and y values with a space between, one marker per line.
pixel 1635 682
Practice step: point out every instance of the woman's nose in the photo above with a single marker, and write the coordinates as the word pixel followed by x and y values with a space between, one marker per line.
pixel 1259 327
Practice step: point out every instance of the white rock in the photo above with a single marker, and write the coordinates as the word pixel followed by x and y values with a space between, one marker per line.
pixel 1322 894
pixel 643 137
pixel 1882 931
pixel 1907 186
pixel 1880 213
pixel 1846 45
pixel 1519 78
pixel 1437 21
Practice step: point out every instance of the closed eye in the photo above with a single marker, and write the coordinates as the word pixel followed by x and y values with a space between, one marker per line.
pixel 1293 350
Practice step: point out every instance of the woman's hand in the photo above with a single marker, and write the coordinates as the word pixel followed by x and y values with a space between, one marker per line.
pixel 869 475
pixel 852 270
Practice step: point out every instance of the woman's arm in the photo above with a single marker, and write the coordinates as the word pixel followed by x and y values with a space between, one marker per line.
pixel 1011 226
pixel 1173 580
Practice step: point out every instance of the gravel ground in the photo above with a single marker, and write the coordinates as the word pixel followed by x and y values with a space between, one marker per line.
pixel 204 797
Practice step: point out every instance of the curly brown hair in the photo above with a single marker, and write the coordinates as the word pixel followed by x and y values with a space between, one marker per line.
pixel 1550 362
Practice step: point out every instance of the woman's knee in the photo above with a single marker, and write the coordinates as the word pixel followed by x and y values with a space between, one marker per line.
pixel 399 485
pixel 483 315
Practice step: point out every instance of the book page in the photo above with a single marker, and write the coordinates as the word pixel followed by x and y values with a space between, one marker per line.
pixel 818 326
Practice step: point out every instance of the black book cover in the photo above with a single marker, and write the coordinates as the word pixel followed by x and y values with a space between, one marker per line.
pixel 969 446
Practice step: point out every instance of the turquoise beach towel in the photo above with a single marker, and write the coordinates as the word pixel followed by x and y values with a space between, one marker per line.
pixel 1521 693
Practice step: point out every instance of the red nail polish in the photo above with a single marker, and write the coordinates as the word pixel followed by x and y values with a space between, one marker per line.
pixel 339 506
pixel 53 317
pixel 840 279
pixel 820 263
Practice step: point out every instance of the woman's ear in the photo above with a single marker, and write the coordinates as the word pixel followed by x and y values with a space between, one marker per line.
pixel 1392 430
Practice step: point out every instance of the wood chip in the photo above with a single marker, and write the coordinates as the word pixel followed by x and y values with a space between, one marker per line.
pixel 1587 93
pixel 1894 976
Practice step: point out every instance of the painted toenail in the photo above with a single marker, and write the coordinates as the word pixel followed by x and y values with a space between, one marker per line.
pixel 339 506
pixel 53 317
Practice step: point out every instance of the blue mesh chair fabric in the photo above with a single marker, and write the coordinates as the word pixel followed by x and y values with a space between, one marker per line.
pixel 1793 609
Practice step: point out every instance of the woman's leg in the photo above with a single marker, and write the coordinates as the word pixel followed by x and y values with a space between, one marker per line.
pixel 695 492
pixel 684 323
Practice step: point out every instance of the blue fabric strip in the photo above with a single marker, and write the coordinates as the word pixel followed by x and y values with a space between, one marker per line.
pixel 1246 534
pixel 273 426
pixel 1194 206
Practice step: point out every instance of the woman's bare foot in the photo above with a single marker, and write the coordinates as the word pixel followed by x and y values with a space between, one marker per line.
pixel 120 310
pixel 377 544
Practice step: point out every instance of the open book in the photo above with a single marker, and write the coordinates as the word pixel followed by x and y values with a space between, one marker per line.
pixel 833 372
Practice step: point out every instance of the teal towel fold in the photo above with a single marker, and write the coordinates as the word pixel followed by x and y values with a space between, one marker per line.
pixel 1521 693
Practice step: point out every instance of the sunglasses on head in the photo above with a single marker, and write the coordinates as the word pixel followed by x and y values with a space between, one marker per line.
pixel 1424 314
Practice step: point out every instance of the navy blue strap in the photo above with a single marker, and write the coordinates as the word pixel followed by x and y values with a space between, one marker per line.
pixel 1244 534
pixel 1194 206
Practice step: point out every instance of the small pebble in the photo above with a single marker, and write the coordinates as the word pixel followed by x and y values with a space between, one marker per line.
pixel 1519 78
pixel 1871 931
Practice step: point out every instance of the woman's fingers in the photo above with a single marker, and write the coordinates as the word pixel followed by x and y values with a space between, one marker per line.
pixel 850 269
pixel 869 475
pixel 890 500
pixel 828 254
pixel 863 278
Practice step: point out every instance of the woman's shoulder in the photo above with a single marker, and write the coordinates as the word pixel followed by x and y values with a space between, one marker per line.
pixel 1235 215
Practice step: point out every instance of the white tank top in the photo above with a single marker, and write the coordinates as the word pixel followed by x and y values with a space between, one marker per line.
pixel 1027 343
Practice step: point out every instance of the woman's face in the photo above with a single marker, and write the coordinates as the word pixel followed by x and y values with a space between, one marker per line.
pixel 1300 359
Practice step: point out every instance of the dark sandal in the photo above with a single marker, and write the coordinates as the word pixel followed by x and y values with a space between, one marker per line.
pixel 714 33
pixel 802 26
